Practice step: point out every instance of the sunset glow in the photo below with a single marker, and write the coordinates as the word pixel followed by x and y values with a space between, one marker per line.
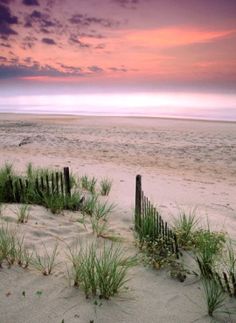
pixel 131 46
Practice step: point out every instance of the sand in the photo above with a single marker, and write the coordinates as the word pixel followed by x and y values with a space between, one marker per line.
pixel 184 164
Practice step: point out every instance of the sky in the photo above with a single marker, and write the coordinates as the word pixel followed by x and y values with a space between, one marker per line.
pixel 76 47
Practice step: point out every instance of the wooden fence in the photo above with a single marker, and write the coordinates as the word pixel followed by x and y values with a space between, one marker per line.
pixel 54 183
pixel 149 220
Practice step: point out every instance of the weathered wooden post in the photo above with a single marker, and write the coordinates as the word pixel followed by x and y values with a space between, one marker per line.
pixel 138 201
pixel 67 180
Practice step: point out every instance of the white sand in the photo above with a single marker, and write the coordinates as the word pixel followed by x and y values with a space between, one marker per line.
pixel 183 164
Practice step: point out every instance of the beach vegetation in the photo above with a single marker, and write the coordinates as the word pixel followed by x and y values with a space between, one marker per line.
pixel 8 243
pixel 102 272
pixel 185 225
pixel 90 204
pixel 208 248
pixel 88 184
pixel 105 186
pixel 23 214
pixel 47 262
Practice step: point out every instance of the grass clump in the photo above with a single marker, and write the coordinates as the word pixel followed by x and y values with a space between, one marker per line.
pixel 185 226
pixel 105 186
pixel 88 184
pixel 208 249
pixel 214 296
pixel 46 263
pixel 100 273
pixel 90 204
pixel 158 248
pixel 8 243
pixel 23 214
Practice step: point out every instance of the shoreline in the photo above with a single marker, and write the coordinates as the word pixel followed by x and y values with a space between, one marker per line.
pixel 78 116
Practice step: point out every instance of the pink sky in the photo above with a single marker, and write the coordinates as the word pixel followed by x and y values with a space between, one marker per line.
pixel 118 42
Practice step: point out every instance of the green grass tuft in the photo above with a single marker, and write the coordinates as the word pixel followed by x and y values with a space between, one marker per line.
pixel 105 186
pixel 100 273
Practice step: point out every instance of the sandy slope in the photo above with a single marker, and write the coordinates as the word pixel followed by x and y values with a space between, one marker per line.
pixel 183 163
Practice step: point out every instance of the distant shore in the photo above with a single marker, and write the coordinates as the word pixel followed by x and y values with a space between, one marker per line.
pixel 69 115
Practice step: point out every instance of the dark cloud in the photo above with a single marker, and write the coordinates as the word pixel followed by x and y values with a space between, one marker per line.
pixel 84 20
pixel 130 4
pixel 6 20
pixel 95 69
pixel 33 69
pixel 29 42
pixel 20 70
pixel 93 34
pixel 30 2
pixel 100 46
pixel 5 45
pixel 48 41
pixel 75 40
pixel 43 20
pixel 118 69
pixel 3 59
pixel 5 1
pixel 72 70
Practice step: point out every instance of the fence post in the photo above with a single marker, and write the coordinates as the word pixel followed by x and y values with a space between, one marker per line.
pixel 138 201
pixel 67 180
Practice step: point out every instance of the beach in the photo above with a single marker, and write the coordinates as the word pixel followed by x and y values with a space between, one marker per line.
pixel 184 164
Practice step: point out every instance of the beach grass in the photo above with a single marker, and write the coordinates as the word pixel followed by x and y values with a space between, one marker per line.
pixel 105 186
pixel 185 225
pixel 100 273
pixel 47 262
pixel 23 213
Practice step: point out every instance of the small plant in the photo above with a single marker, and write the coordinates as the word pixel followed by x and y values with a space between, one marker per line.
pixel 184 226
pixel 55 203
pixel 215 297
pixel 102 209
pixel 23 214
pixel 99 225
pixel 23 255
pixel 90 204
pixel 8 243
pixel 88 184
pixel 101 273
pixel 208 249
pixel 230 259
pixel 105 186
pixel 45 263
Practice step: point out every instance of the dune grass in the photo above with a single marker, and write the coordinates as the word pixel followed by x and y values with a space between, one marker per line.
pixel 214 296
pixel 23 214
pixel 208 249
pixel 88 184
pixel 46 263
pixel 8 245
pixel 105 186
pixel 185 225
pixel 100 273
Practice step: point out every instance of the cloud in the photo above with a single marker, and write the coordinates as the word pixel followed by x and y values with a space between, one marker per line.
pixel 30 2
pixel 129 4
pixel 72 69
pixel 75 40
pixel 48 41
pixel 6 20
pixel 21 70
pixel 173 37
pixel 5 45
pixel 118 69
pixel 41 19
pixel 84 20
pixel 3 59
pixel 29 42
pixel 95 69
